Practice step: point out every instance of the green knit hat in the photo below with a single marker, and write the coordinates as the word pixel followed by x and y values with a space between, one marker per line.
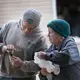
pixel 60 26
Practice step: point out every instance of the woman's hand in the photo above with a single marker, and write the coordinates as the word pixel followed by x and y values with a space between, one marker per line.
pixel 44 72
pixel 42 55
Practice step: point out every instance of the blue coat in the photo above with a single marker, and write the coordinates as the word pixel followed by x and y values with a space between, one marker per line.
pixel 67 56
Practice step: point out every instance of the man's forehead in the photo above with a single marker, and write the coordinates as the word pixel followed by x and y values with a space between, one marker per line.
pixel 28 24
pixel 30 21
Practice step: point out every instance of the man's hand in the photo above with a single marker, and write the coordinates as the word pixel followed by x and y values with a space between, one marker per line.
pixel 44 72
pixel 8 48
pixel 17 62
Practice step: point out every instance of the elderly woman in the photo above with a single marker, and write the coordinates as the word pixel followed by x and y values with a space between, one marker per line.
pixel 64 51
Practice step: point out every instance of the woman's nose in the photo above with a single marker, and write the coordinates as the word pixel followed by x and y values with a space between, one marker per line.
pixel 48 35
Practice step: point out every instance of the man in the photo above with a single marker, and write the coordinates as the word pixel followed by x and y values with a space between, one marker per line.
pixel 63 51
pixel 20 38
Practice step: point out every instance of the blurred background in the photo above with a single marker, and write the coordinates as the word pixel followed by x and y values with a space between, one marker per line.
pixel 13 10
pixel 70 11
pixel 50 9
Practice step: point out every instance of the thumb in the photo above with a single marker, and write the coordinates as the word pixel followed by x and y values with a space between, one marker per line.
pixel 14 58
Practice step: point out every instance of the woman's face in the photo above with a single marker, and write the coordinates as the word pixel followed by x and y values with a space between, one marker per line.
pixel 27 28
pixel 54 38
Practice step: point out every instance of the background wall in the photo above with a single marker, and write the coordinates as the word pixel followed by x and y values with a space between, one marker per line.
pixel 13 10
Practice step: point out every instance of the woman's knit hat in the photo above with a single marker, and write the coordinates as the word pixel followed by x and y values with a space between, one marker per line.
pixel 60 26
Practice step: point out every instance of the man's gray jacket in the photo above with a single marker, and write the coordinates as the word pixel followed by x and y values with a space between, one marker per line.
pixel 11 33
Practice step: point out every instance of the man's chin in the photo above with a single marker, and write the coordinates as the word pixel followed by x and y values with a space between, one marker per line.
pixel 27 33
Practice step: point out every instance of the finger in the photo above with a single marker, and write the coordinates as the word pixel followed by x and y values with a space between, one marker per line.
pixel 41 51
pixel 10 47
pixel 43 73
pixel 14 58
pixel 44 69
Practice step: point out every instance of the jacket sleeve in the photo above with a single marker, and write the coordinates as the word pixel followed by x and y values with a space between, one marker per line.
pixel 30 66
pixel 3 32
pixel 67 56
pixel 58 58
